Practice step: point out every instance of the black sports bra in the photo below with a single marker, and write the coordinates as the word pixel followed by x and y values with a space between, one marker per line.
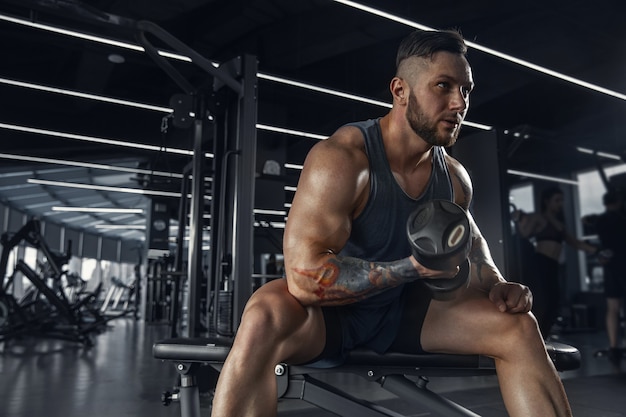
pixel 550 233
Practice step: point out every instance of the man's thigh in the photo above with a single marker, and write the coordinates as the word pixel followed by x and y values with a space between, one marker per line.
pixel 468 324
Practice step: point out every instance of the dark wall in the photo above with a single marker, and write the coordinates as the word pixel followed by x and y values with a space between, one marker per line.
pixel 479 153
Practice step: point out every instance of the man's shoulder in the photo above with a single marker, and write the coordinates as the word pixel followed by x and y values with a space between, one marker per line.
pixel 343 149
pixel 348 138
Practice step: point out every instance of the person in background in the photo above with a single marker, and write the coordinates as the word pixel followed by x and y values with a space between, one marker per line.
pixel 546 228
pixel 611 229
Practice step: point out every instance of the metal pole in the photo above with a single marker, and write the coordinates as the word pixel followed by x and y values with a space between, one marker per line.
pixel 194 265
pixel 243 221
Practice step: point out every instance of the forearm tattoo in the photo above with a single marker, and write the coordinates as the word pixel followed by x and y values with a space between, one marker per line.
pixel 479 259
pixel 343 280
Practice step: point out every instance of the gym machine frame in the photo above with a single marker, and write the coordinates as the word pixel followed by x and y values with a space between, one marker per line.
pixel 234 169
pixel 234 102
pixel 72 320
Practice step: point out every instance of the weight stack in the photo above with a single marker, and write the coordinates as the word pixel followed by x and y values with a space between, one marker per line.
pixel 225 313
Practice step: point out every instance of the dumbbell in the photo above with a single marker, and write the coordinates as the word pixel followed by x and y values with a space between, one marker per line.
pixel 439 235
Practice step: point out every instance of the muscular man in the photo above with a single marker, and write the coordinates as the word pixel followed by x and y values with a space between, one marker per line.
pixel 350 277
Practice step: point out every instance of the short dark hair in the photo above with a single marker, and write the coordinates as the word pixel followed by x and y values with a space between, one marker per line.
pixel 612 196
pixel 422 43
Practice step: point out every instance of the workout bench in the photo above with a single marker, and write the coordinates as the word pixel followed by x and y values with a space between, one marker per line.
pixel 391 371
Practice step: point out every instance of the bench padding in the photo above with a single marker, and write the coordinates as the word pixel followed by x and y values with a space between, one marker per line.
pixel 212 350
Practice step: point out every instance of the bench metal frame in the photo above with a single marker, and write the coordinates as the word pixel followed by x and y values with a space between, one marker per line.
pixel 404 375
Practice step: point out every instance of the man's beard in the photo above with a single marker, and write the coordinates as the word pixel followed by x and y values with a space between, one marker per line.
pixel 424 128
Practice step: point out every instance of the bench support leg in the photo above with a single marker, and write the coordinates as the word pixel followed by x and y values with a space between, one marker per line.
pixel 189 396
pixel 421 396
pixel 187 392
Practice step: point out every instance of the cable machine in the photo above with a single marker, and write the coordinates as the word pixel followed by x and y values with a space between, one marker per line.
pixel 232 110
pixel 229 112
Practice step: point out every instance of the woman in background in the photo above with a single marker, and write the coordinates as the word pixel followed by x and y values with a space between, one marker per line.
pixel 547 228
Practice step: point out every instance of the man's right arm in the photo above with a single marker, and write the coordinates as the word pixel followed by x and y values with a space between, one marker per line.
pixel 344 280
pixel 333 185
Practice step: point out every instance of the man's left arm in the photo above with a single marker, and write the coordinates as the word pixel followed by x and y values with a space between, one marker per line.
pixel 484 274
pixel 510 297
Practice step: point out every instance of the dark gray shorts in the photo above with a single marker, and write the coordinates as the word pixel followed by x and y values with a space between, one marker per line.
pixel 396 326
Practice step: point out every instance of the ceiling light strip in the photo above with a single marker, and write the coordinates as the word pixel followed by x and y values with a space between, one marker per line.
pixel 120 226
pixel 294 166
pixel 547 71
pixel 108 188
pixel 89 37
pixel 487 50
pixel 323 90
pixel 184 58
pixel 94 139
pixel 85 95
pixel 98 210
pixel 476 125
pixel 291 132
pixel 88 165
pixel 275 225
pixel 270 212
pixel 602 154
pixel 130 144
pixel 541 177
pixel 103 188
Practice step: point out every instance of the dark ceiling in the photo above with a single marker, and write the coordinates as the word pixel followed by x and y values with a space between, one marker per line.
pixel 321 42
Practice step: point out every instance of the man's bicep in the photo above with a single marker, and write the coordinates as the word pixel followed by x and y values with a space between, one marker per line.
pixel 320 215
pixel 316 228
pixel 318 224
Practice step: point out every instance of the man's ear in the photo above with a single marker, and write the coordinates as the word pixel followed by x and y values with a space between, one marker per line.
pixel 399 90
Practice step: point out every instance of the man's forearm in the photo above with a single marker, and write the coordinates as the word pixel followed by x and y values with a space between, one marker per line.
pixel 344 280
pixel 485 273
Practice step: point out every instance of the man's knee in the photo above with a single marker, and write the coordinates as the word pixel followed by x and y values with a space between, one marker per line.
pixel 514 331
pixel 260 314
pixel 271 315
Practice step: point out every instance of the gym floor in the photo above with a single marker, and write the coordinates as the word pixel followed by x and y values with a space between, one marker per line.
pixel 119 377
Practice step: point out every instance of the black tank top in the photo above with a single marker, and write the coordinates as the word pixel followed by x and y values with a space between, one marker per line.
pixel 379 232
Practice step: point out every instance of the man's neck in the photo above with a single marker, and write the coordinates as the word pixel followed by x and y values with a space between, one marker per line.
pixel 405 150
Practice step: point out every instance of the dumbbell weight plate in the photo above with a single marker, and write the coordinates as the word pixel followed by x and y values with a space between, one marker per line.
pixel 439 235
